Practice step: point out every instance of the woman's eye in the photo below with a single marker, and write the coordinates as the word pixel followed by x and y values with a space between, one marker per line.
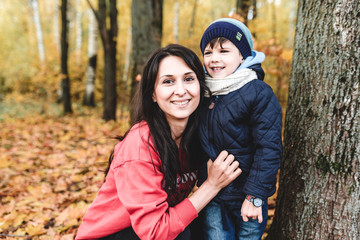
pixel 168 81
pixel 188 79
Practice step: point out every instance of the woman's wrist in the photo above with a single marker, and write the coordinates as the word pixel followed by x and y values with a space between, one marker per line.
pixel 203 195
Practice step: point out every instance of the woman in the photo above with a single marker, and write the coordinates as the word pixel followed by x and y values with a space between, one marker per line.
pixel 154 167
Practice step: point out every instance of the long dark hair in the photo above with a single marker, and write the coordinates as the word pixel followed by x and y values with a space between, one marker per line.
pixel 148 110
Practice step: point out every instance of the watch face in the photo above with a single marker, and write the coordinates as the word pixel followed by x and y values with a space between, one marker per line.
pixel 257 202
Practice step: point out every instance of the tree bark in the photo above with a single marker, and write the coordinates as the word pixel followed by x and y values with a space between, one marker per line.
pixel 319 189
pixel 78 46
pixel 176 21
pixel 146 36
pixel 273 19
pixel 65 81
pixel 56 24
pixel 108 33
pixel 192 23
pixel 254 9
pixel 89 99
pixel 36 16
pixel 242 8
pixel 292 17
pixel 127 56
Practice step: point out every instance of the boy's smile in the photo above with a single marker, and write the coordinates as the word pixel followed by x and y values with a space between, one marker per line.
pixel 222 60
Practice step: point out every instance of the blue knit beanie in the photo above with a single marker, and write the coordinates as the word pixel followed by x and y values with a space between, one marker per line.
pixel 231 29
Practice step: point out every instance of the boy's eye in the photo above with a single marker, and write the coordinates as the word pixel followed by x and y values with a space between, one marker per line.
pixel 207 53
pixel 224 51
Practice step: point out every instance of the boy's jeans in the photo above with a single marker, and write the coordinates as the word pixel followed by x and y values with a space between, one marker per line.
pixel 234 227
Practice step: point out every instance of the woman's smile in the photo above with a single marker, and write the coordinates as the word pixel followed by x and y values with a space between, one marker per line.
pixel 177 90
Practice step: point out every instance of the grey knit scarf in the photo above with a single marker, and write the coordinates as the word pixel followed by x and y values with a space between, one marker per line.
pixel 223 86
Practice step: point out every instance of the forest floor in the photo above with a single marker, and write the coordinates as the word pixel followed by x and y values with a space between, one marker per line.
pixel 51 167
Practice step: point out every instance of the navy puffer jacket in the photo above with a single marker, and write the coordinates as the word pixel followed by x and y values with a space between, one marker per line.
pixel 247 123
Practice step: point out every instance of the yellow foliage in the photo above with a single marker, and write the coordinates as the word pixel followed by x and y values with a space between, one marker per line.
pixel 51 171
pixel 287 55
pixel 34 229
pixel 4 161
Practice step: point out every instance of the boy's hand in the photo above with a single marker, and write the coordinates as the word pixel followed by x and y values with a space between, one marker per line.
pixel 248 210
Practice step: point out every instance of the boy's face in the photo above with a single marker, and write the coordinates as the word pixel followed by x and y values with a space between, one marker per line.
pixel 221 61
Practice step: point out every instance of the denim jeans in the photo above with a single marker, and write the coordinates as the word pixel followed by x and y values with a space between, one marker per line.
pixel 223 221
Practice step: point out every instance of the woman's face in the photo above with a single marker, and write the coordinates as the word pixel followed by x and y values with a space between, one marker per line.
pixel 177 89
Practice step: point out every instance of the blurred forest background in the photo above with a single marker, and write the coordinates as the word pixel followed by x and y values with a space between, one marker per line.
pixel 52 160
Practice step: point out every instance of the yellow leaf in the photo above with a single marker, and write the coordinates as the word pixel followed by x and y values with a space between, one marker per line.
pixel 19 219
pixel 34 230
pixel 68 236
pixel 4 162
pixel 20 231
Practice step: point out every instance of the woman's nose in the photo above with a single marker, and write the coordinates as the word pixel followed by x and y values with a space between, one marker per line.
pixel 180 88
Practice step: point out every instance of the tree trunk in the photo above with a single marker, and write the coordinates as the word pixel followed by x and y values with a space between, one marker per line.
pixel 91 69
pixel 242 8
pixel 39 35
pixel 273 19
pixel 56 25
pixel 292 17
pixel 65 82
pixel 78 32
pixel 192 23
pixel 109 42
pixel 146 36
pixel 127 57
pixel 108 31
pixel 176 21
pixel 253 14
pixel 254 9
pixel 319 189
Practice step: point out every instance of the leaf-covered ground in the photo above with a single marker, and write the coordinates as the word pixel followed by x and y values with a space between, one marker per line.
pixel 51 169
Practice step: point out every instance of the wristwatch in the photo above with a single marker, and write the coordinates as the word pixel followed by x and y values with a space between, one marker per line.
pixel 258 202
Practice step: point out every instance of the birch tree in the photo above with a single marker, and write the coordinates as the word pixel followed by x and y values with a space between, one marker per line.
pixel 92 55
pixel 127 56
pixel 56 24
pixel 176 21
pixel 78 15
pixel 36 17
pixel 319 188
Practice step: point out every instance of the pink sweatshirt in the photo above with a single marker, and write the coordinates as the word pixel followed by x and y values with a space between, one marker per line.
pixel 132 194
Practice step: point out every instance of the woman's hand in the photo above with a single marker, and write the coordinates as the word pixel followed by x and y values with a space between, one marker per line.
pixel 221 172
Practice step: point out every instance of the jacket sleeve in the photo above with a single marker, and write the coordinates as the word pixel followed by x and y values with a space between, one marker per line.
pixel 266 125
pixel 139 187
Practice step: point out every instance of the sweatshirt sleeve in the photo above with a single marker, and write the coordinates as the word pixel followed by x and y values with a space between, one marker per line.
pixel 266 125
pixel 139 187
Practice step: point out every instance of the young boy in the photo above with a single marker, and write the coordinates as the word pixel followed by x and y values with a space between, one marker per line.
pixel 243 116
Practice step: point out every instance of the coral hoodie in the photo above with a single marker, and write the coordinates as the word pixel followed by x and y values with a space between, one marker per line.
pixel 133 194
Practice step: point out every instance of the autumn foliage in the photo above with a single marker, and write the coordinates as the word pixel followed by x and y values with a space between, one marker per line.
pixel 51 169
pixel 51 166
